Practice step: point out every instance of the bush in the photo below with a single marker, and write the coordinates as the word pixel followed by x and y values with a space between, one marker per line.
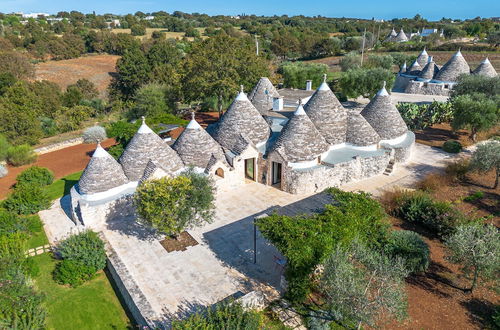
pixel 487 158
pixel 474 197
pixel 35 175
pixel 419 207
pixel 295 74
pixel 452 146
pixel 116 151
pixel 421 116
pixel 434 181
pixel 94 134
pixel 85 248
pixel 3 171
pixel 457 170
pixel 4 146
pixel 21 155
pixel 27 199
pixel 72 272
pixel 222 316
pixel 409 246
pixel 350 61
pixel 365 82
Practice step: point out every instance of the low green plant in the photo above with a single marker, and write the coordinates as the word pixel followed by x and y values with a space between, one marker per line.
pixel 27 199
pixel 72 272
pixel 35 175
pixel 439 217
pixel 116 151
pixel 452 146
pixel 222 316
pixel 421 116
pixel 410 247
pixel 85 248
pixel 20 155
pixel 474 197
pixel 457 170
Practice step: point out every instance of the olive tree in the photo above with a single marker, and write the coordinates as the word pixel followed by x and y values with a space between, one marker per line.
pixel 359 284
pixel 171 205
pixel 486 158
pixel 476 112
pixel 476 247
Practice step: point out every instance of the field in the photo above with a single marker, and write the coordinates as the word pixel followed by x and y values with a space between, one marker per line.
pixel 99 69
pixel 93 305
pixel 168 34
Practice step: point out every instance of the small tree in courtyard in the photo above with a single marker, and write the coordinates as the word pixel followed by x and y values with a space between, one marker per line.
pixel 476 247
pixel 171 205
pixel 486 158
pixel 358 284
pixel 476 112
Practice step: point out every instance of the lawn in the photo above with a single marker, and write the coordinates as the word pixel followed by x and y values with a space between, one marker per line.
pixel 37 237
pixel 61 187
pixel 94 305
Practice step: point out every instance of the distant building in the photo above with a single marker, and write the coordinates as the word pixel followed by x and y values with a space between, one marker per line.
pixel 35 15
pixel 149 18
pixel 426 77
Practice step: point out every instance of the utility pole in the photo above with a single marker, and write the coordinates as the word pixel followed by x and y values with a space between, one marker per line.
pixel 363 48
pixel 257 45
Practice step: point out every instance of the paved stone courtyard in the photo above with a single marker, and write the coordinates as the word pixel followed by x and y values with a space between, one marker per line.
pixel 221 265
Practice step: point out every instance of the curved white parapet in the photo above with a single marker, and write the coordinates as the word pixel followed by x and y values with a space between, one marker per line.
pixel 108 195
pixel 402 141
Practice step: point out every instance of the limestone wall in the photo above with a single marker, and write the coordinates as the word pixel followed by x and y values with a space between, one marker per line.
pixel 324 176
pixel 420 87
pixel 401 83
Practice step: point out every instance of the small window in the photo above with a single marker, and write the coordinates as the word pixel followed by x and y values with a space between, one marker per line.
pixel 219 172
pixel 319 159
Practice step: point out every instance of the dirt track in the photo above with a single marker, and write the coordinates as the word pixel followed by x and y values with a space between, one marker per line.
pixel 61 162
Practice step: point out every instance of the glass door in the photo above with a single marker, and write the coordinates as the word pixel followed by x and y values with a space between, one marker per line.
pixel 250 168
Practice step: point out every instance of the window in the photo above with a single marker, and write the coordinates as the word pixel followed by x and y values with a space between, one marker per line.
pixel 219 172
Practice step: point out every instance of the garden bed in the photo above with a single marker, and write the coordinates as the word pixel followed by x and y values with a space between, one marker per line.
pixel 181 243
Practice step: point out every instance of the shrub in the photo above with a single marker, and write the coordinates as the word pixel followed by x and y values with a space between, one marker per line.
pixel 295 74
pixel 419 207
pixel 222 316
pixel 452 146
pixel 365 82
pixel 27 199
pixel 4 146
pixel 457 170
pixel 72 272
pixel 433 181
pixel 94 134
pixel 474 197
pixel 116 151
pixel 409 246
pixel 85 248
pixel 477 112
pixel 421 116
pixel 3 171
pixel 35 175
pixel 21 155
pixel 487 158
pixel 350 61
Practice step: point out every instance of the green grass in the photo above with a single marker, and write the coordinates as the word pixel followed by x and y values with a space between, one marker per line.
pixel 61 187
pixel 37 236
pixel 93 305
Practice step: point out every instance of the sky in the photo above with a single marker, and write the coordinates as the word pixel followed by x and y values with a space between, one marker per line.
pixel 380 9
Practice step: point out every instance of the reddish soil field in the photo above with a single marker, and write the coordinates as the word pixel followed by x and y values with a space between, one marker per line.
pixel 99 69
pixel 436 135
pixel 436 300
pixel 62 162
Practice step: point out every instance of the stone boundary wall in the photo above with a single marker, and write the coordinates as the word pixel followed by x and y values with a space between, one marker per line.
pixel 59 145
pixel 427 88
pixel 134 298
pixel 319 178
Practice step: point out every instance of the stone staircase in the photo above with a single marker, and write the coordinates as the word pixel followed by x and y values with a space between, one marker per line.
pixel 389 168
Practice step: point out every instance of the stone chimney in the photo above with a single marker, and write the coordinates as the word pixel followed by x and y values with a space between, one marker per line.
pixel 278 103
pixel 309 84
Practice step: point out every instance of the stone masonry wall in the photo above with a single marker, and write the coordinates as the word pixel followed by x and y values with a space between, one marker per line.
pixel 401 83
pixel 319 178
pixel 420 87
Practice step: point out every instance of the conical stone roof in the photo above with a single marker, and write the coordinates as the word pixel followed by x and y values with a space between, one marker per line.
pixel 429 70
pixel 299 140
pixel 327 114
pixel 241 118
pixel 393 33
pixel 453 68
pixel 423 58
pixel 403 68
pixel 195 146
pixel 383 116
pixel 102 173
pixel 359 131
pixel 146 145
pixel 415 68
pixel 262 95
pixel 485 69
pixel 401 36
